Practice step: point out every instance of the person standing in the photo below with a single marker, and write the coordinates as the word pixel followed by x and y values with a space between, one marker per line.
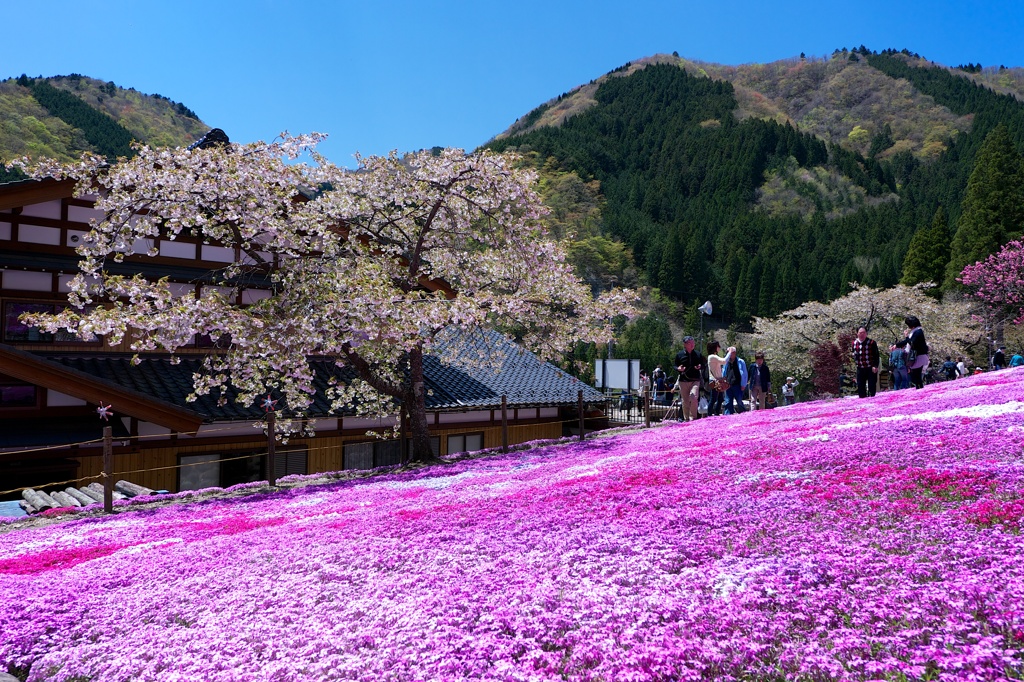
pixel 961 368
pixel 689 363
pixel 999 359
pixel 898 369
pixel 736 376
pixel 716 363
pixel 760 382
pixel 917 358
pixel 865 357
pixel 949 370
pixel 789 391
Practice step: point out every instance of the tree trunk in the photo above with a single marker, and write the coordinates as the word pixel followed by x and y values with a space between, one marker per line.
pixel 417 406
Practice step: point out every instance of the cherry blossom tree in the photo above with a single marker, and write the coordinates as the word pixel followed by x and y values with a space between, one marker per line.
pixel 375 267
pixel 789 338
pixel 998 281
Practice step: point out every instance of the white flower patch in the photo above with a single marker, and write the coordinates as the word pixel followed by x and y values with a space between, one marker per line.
pixel 574 472
pixel 438 483
pixel 312 501
pixel 136 549
pixel 822 437
pixel 487 492
pixel 736 578
pixel 773 476
pixel 740 575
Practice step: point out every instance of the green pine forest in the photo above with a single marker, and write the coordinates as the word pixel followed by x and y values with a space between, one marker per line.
pixel 715 199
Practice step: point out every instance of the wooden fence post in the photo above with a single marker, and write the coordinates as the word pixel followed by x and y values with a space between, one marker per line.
pixel 504 424
pixel 108 469
pixel 579 408
pixel 271 447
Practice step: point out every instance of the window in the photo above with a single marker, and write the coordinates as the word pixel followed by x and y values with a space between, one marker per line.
pixel 198 472
pixel 226 469
pixel 358 456
pixel 380 453
pixel 17 394
pixel 16 331
pixel 289 463
pixel 465 442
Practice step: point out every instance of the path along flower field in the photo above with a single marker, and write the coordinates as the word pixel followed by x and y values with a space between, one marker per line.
pixel 854 539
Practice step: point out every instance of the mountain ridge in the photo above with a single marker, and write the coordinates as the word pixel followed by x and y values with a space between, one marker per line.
pixel 33 128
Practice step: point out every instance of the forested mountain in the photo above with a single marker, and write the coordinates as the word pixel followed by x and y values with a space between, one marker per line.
pixel 61 117
pixel 764 186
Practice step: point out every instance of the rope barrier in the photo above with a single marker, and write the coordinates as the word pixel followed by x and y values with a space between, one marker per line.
pixel 307 448
pixel 50 485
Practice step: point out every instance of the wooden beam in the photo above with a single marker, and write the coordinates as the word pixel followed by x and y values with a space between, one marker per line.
pixel 33 369
pixel 31 192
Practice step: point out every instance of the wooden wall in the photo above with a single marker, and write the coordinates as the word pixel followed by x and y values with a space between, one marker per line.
pixel 157 467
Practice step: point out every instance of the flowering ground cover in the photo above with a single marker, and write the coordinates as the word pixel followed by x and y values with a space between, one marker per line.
pixel 853 539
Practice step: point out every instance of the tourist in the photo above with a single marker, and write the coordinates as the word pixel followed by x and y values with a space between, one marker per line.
pixel 735 373
pixel 865 357
pixel 715 378
pixel 917 347
pixel 789 391
pixel 689 363
pixel 898 369
pixel 760 382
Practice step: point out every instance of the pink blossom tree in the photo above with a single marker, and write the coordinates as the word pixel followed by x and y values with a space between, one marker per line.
pixel 998 281
pixel 374 268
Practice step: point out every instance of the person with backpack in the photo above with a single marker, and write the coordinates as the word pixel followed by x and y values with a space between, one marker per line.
pixel 898 369
pixel 917 351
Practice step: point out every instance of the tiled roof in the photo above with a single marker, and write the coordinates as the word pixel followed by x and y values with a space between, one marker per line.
pixel 502 368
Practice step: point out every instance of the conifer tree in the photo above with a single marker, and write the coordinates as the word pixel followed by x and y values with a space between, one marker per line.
pixel 928 253
pixel 993 208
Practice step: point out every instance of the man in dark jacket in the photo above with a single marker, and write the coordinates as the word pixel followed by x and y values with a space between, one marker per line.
pixel 689 363
pixel 865 357
pixel 760 382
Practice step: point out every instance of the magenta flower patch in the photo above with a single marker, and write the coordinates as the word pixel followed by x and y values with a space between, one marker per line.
pixel 851 540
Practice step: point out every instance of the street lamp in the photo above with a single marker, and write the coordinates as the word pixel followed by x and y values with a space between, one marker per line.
pixel 704 310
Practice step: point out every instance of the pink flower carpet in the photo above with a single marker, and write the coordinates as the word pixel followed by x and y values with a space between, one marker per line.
pixel 874 539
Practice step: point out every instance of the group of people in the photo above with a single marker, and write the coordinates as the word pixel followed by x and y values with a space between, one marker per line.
pixel 722 381
pixel 909 359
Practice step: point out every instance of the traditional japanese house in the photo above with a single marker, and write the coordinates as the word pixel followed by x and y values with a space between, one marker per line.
pixel 53 386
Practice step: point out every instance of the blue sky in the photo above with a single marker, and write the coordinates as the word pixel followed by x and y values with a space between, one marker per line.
pixel 396 74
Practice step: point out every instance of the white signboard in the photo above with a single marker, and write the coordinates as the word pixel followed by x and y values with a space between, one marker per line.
pixel 617 374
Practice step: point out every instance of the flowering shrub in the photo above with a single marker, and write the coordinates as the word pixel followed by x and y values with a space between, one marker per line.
pixel 852 539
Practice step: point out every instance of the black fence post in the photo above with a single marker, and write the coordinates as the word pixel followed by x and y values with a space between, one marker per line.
pixel 108 470
pixel 504 424
pixel 579 408
pixel 271 447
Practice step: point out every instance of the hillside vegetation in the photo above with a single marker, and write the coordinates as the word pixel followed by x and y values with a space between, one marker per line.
pixel 63 116
pixel 761 187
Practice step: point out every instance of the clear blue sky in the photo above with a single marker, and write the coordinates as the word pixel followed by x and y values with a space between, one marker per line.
pixel 397 74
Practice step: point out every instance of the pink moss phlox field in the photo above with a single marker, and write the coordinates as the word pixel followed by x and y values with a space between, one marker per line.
pixel 845 540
